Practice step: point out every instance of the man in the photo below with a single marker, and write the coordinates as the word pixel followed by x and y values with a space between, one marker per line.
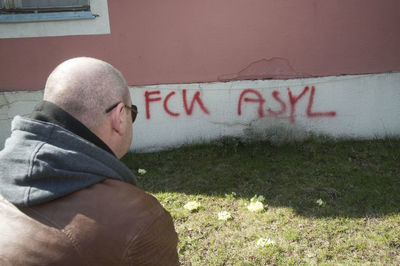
pixel 66 197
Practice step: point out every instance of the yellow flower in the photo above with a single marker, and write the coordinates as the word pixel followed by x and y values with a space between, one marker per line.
pixel 192 206
pixel 142 171
pixel 321 203
pixel 224 215
pixel 255 206
pixel 263 242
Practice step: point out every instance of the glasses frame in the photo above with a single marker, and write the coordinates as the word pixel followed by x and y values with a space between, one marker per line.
pixel 132 108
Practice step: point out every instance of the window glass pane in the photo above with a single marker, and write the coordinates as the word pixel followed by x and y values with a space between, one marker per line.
pixel 42 4
pixel 52 3
pixel 6 3
pixel 35 6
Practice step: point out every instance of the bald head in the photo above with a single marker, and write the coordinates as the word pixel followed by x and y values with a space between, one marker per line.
pixel 85 87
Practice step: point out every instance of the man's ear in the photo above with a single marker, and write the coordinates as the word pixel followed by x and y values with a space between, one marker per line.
pixel 116 118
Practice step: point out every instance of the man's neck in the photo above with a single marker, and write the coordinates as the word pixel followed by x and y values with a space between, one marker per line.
pixel 50 112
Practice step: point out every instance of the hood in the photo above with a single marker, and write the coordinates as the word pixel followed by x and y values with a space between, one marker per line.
pixel 42 161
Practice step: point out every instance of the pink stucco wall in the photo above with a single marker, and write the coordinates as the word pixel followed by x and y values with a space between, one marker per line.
pixel 175 41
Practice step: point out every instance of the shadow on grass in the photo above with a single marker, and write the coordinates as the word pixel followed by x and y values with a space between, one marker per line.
pixel 319 179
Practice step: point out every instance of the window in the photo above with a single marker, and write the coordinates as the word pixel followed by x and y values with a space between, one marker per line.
pixel 37 18
pixel 44 10
pixel 43 5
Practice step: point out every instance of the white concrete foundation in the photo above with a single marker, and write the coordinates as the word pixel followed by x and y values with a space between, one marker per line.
pixel 362 106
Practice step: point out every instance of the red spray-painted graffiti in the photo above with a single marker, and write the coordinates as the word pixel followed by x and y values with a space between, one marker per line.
pixel 188 109
pixel 292 101
pixel 246 96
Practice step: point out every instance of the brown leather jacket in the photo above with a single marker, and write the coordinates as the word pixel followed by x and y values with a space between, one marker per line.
pixel 109 223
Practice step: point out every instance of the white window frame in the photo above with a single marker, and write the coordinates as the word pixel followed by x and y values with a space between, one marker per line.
pixel 97 22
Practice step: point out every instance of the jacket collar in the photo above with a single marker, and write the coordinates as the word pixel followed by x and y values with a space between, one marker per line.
pixel 42 161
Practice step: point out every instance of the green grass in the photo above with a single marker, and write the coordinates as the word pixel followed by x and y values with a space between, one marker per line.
pixel 330 202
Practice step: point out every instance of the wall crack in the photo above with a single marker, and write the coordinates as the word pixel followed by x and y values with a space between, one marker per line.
pixel 273 68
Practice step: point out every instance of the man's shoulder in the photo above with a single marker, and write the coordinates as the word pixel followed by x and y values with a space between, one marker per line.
pixel 123 196
pixel 103 219
pixel 108 202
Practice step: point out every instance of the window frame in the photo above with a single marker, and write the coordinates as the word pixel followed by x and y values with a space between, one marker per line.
pixel 63 23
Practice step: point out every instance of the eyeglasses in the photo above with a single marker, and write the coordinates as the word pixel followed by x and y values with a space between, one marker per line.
pixel 132 108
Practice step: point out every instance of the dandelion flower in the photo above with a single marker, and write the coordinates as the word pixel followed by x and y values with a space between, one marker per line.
pixel 142 171
pixel 320 202
pixel 192 206
pixel 224 215
pixel 259 198
pixel 263 242
pixel 255 206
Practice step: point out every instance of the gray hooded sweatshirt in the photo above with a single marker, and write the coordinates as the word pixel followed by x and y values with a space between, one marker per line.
pixel 42 161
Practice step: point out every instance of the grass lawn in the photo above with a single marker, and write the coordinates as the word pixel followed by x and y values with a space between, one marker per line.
pixel 331 202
